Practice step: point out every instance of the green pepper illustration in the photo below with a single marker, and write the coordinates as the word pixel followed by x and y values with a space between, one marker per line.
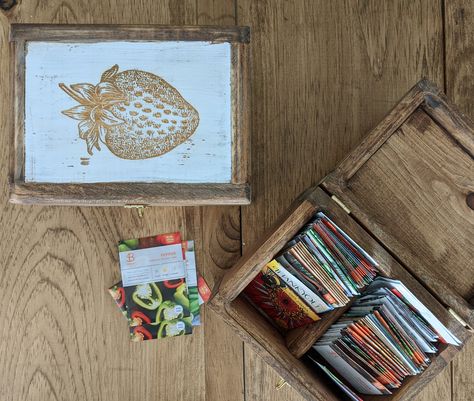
pixel 148 296
pixel 168 310
pixel 171 328
pixel 131 243
pixel 188 321
pixel 123 248
pixel 181 296
pixel 193 295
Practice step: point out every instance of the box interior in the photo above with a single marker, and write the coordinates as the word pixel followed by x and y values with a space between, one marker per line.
pixel 278 344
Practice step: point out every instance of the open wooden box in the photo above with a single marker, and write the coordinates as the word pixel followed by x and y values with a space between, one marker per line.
pixel 405 194
pixel 164 118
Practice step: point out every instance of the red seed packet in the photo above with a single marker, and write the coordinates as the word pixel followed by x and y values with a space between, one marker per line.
pixel 278 302
pixel 203 288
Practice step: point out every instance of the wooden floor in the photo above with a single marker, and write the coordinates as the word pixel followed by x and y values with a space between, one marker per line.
pixel 324 72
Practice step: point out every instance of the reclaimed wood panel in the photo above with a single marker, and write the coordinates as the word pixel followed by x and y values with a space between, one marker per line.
pixel 459 31
pixel 221 241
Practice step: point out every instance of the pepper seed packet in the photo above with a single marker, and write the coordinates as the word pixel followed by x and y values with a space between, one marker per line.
pixel 165 308
pixel 153 278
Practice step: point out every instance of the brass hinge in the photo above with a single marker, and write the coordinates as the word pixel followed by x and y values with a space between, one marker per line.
pixel 140 209
pixel 460 320
pixel 281 383
pixel 341 204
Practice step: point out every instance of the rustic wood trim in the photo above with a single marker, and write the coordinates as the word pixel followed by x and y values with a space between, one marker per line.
pixel 301 339
pixel 248 266
pixel 121 194
pixel 447 115
pixel 17 152
pixel 377 137
pixel 89 32
pixel 112 194
pixel 241 105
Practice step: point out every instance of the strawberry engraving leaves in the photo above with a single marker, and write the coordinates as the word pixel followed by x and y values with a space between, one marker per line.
pixel 94 109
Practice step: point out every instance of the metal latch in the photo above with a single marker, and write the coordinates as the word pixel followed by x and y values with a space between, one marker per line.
pixel 140 209
pixel 460 320
pixel 341 204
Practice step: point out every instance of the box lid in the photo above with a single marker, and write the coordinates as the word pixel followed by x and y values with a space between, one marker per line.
pixel 100 120
pixel 411 183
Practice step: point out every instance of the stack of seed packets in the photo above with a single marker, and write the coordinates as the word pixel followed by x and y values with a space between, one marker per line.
pixel 319 270
pixel 160 293
pixel 385 336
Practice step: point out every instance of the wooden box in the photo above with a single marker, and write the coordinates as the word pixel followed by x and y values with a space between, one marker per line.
pixel 406 195
pixel 130 115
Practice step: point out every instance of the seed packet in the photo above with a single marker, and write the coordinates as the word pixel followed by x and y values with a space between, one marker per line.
pixel 279 302
pixel 167 328
pixel 162 308
pixel 153 278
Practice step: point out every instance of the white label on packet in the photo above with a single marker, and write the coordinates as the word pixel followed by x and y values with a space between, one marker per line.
pixel 150 265
pixel 191 275
pixel 312 299
pixel 359 382
pixel 440 328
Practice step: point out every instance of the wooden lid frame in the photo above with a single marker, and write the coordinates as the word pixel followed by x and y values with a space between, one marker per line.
pixel 237 192
pixel 420 159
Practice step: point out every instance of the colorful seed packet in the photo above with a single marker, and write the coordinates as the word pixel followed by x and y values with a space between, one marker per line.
pixel 278 302
pixel 167 328
pixel 164 308
pixel 154 278
pixel 192 281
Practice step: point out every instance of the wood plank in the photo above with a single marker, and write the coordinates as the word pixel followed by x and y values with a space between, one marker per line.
pixel 70 341
pixel 459 30
pixel 395 192
pixel 108 32
pixel 224 378
pixel 323 75
pixel 120 194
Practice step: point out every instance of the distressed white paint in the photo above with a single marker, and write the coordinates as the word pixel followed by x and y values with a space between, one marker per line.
pixel 200 71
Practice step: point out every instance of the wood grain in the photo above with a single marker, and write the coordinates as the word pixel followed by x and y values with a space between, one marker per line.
pixel 395 193
pixel 459 28
pixel 221 239
pixel 72 344
pixel 324 74
pixel 73 32
pixel 120 194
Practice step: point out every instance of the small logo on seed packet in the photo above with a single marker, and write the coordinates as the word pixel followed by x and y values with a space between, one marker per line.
pixel 130 258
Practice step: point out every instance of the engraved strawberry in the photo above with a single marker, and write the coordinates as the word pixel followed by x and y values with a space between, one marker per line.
pixel 137 114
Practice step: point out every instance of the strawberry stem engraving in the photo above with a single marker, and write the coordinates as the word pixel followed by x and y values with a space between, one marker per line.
pixel 94 108
pixel 136 114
